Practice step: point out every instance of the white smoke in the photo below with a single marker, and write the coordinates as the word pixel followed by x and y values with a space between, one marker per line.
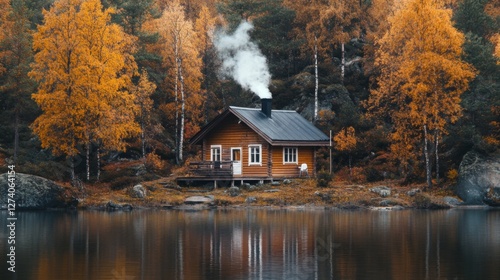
pixel 243 61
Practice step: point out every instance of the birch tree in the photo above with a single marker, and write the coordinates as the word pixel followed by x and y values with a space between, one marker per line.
pixel 421 76
pixel 341 19
pixel 308 15
pixel 181 55
pixel 84 66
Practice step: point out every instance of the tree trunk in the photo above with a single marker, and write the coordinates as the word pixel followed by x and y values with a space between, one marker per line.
pixel 183 108
pixel 427 161
pixel 342 66
pixel 176 90
pixel 98 163
pixel 143 138
pixel 436 140
pixel 316 79
pixel 72 167
pixel 16 134
pixel 87 154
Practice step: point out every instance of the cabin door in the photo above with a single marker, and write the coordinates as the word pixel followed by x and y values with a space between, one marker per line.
pixel 236 159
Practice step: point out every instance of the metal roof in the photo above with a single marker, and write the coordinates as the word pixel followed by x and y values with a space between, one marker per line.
pixel 283 127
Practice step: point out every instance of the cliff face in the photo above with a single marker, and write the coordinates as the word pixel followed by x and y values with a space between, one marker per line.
pixel 479 179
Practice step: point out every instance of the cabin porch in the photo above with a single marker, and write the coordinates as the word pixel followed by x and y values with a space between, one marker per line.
pixel 221 173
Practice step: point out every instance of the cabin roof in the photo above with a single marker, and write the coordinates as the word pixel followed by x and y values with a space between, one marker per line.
pixel 285 127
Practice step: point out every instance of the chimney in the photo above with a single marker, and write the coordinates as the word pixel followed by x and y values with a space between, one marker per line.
pixel 266 106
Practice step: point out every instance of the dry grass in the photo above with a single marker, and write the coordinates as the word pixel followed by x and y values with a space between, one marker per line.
pixel 299 192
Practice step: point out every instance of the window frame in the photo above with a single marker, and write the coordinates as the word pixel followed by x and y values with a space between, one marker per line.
pixel 212 147
pixel 286 154
pixel 250 148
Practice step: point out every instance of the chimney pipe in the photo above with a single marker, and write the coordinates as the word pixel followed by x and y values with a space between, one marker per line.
pixel 266 106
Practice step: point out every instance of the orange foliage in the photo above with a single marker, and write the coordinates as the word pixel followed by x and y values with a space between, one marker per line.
pixel 421 76
pixel 83 66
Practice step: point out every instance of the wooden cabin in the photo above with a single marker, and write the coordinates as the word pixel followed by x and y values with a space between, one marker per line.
pixel 244 144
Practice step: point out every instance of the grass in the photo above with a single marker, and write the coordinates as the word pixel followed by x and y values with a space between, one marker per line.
pixel 301 192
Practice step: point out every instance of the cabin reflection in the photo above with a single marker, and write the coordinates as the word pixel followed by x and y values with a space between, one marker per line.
pixel 258 244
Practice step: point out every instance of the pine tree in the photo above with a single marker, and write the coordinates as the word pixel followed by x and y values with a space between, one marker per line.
pixel 16 55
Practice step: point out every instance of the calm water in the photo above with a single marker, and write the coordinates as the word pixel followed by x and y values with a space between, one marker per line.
pixel 255 244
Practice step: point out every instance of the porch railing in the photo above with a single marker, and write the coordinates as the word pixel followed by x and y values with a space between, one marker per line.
pixel 211 168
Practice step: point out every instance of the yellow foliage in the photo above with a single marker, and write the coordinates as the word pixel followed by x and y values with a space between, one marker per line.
pixel 84 65
pixel 421 76
pixel 345 140
pixel 452 175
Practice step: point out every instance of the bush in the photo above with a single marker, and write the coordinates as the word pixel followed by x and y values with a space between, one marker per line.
pixel 452 175
pixel 323 179
pixel 154 162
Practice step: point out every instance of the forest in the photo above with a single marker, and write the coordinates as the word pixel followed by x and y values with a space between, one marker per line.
pixel 406 87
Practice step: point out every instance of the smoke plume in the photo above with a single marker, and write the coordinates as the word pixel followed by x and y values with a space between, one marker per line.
pixel 243 61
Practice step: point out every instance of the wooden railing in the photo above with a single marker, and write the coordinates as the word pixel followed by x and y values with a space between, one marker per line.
pixel 211 168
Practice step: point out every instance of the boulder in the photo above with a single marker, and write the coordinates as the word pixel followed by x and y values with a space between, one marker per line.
pixel 31 192
pixel 251 199
pixel 479 179
pixel 413 192
pixel 287 181
pixel 113 206
pixel 452 201
pixel 198 199
pixel 383 191
pixel 234 191
pixel 138 191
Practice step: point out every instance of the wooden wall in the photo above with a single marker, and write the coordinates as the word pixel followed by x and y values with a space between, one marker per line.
pixel 290 170
pixel 231 134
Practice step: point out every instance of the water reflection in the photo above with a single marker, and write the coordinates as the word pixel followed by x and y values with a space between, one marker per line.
pixel 256 244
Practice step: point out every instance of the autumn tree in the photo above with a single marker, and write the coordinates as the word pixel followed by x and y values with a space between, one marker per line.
pixel 422 76
pixel 83 66
pixel 16 55
pixel 310 29
pixel 345 141
pixel 142 92
pixel 204 27
pixel 342 19
pixel 181 55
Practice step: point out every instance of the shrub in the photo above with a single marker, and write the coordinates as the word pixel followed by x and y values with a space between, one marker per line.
pixel 323 179
pixel 452 175
pixel 154 162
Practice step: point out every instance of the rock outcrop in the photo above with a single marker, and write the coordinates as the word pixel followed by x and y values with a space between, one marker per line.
pixel 31 192
pixel 479 179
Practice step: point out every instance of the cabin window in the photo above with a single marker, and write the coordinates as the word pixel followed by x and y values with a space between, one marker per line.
pixel 215 152
pixel 255 155
pixel 290 155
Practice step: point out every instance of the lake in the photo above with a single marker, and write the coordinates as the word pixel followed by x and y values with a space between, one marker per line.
pixel 255 244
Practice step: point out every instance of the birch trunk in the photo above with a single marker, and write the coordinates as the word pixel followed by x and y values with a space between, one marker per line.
pixel 183 108
pixel 342 66
pixel 143 138
pixel 316 79
pixel 427 161
pixel 87 155
pixel 98 163
pixel 436 137
pixel 176 90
